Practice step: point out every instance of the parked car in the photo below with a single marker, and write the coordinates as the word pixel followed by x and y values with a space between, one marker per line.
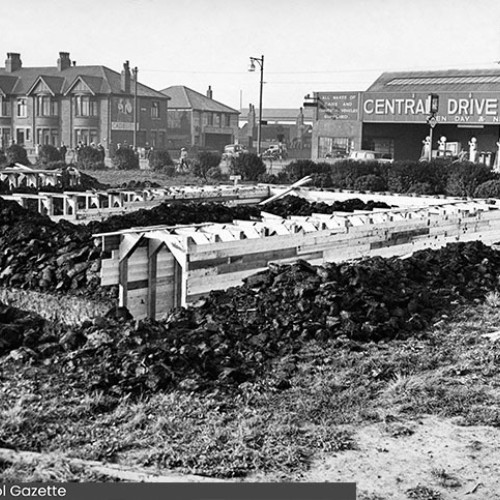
pixel 276 152
pixel 233 151
pixel 365 155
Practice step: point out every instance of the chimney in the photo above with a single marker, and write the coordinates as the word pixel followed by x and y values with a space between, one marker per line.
pixel 64 62
pixel 125 87
pixel 13 62
pixel 209 92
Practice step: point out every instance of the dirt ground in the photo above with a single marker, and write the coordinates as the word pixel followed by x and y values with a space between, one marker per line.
pixel 396 460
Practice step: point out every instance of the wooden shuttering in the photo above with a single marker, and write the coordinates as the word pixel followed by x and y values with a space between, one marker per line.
pixel 164 267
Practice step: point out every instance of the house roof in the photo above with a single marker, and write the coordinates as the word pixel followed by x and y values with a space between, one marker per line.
pixel 281 114
pixel 438 81
pixel 100 79
pixel 185 98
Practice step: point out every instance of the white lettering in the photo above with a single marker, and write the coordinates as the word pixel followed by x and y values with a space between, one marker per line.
pixel 379 106
pixel 420 108
pixel 491 106
pixel 368 106
pixel 452 106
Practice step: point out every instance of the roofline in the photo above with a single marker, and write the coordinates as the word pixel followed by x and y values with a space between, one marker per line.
pixel 184 88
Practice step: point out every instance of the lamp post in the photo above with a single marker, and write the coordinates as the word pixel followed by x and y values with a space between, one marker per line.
pixel 134 72
pixel 259 60
pixel 431 119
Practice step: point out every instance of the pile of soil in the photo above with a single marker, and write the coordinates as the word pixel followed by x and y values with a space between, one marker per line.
pixel 236 336
pixel 20 329
pixel 39 254
pixel 293 205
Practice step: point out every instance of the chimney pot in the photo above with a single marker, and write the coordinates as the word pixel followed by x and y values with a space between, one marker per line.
pixel 125 78
pixel 209 92
pixel 64 61
pixel 13 62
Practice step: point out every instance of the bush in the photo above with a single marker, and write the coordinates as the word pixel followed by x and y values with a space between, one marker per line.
pixel 16 154
pixel 301 168
pixel 125 159
pixel 48 154
pixel 215 173
pixel 248 165
pixel 267 178
pixel 205 162
pixel 404 176
pixel 89 158
pixel 488 189
pixel 466 177
pixel 159 159
pixel 370 182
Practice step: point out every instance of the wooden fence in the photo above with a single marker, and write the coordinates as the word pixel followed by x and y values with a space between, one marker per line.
pixel 161 267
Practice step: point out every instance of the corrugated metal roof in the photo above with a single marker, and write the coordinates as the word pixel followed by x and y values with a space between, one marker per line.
pixel 185 98
pixel 101 78
pixel 445 81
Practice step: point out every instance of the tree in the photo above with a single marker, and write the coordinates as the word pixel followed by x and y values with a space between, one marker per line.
pixel 48 154
pixel 125 159
pixel 89 158
pixel 206 161
pixel 159 159
pixel 249 166
pixel 16 154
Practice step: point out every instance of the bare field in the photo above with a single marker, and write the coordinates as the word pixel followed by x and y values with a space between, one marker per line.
pixel 405 419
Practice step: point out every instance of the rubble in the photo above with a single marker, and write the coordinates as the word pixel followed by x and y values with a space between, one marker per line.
pixel 236 336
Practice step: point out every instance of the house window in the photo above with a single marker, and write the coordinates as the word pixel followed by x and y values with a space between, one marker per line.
pixel 5 139
pixel 22 108
pixel 4 107
pixel 47 136
pixel 23 135
pixel 86 137
pixel 210 119
pixel 155 109
pixel 228 120
pixel 217 120
pixel 85 106
pixel 46 106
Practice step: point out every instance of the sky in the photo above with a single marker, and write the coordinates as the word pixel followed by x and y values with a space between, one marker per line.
pixel 308 45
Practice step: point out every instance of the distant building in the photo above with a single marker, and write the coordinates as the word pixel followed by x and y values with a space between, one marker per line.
pixel 290 126
pixel 73 104
pixel 196 120
pixel 391 117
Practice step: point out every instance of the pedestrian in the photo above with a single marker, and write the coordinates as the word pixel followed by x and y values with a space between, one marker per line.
pixel 183 164
pixel 102 153
pixel 62 151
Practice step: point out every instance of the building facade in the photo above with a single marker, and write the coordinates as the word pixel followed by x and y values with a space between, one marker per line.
pixel 198 121
pixel 391 116
pixel 73 104
pixel 289 126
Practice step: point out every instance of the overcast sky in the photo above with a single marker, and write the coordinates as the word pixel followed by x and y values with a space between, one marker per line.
pixel 308 45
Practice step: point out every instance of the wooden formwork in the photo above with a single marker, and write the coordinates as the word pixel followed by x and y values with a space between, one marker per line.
pixel 161 267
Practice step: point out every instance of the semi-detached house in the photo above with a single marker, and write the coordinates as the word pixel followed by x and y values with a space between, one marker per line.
pixel 73 104
pixel 199 121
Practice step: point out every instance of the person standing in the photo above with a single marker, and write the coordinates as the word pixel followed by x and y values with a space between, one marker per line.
pixel 62 151
pixel 183 164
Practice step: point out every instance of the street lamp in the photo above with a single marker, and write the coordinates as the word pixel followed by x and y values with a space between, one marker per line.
pixel 433 100
pixel 259 60
pixel 134 76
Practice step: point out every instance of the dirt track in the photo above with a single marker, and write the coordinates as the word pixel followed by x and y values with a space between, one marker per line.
pixel 458 462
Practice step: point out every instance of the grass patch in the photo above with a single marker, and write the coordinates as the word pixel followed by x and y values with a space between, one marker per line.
pixel 334 387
